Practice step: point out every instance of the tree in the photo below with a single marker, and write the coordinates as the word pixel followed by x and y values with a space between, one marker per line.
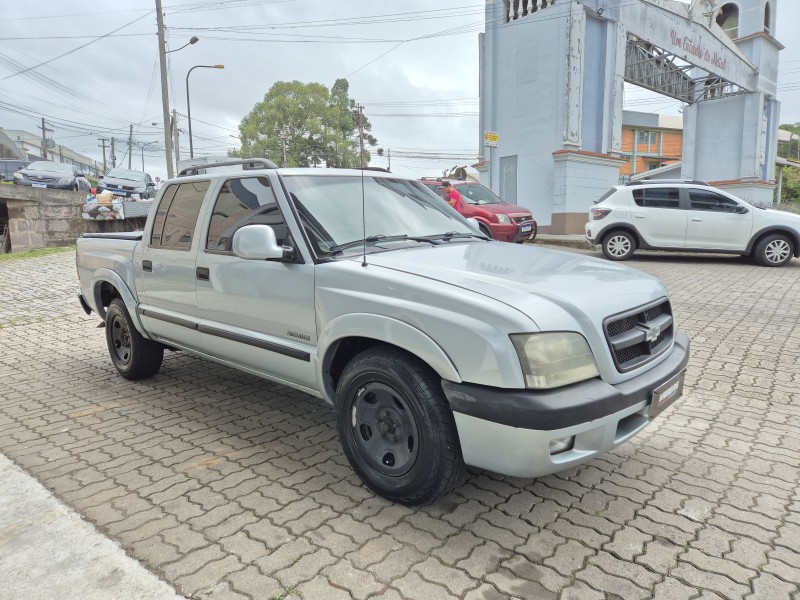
pixel 790 149
pixel 304 124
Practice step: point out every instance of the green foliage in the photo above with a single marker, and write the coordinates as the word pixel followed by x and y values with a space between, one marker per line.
pixel 313 125
pixel 791 184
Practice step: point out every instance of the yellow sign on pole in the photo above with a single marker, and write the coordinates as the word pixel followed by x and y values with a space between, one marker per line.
pixel 491 138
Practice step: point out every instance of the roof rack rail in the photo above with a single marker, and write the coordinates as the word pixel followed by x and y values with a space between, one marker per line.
pixel 247 163
pixel 666 182
pixel 431 179
pixel 380 169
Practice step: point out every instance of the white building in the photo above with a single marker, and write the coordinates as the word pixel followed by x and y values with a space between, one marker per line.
pixel 31 146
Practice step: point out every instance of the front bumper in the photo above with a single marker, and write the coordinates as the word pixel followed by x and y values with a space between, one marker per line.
pixel 511 232
pixel 50 186
pixel 509 431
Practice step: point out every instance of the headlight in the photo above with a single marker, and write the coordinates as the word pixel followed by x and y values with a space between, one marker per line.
pixel 551 360
pixel 65 181
pixel 503 219
pixel 18 175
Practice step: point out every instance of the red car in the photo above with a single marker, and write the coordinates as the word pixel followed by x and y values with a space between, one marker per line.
pixel 499 220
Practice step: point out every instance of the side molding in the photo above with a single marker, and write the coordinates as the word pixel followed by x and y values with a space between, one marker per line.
pixel 384 329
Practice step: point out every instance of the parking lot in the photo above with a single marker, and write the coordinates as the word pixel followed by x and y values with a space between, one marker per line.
pixel 227 486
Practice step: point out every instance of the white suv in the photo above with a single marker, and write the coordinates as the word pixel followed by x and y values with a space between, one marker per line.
pixel 690 216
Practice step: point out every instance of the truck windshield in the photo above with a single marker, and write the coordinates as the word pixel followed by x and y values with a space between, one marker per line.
pixel 397 212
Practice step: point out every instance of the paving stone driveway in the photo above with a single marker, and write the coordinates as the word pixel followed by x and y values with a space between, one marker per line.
pixel 230 487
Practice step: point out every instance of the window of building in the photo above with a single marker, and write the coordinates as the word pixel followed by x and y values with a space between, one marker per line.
pixel 767 18
pixel 703 200
pixel 176 218
pixel 657 197
pixel 728 19
pixel 648 139
pixel 243 201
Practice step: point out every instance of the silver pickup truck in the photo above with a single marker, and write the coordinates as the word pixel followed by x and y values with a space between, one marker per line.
pixel 436 347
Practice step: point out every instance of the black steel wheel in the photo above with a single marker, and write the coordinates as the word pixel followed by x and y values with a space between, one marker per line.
pixel 396 427
pixel 619 245
pixel 134 356
pixel 774 250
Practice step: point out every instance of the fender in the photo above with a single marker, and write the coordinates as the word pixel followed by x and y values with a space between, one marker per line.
pixel 776 229
pixel 384 329
pixel 108 276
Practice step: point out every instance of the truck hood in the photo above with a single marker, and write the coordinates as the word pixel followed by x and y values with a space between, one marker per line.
pixel 556 290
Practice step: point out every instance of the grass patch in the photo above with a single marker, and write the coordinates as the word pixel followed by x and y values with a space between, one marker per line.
pixel 35 253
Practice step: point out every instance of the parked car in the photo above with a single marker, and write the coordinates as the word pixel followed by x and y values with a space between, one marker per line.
pixel 55 175
pixel 126 183
pixel 436 346
pixel 9 167
pixel 690 216
pixel 498 219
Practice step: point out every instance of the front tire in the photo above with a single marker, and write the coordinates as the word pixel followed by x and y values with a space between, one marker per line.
pixel 396 427
pixel 774 250
pixel 619 245
pixel 134 356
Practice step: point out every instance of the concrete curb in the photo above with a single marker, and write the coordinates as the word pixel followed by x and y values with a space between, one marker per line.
pixel 48 551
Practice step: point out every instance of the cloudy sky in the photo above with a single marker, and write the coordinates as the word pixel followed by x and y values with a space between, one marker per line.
pixel 404 60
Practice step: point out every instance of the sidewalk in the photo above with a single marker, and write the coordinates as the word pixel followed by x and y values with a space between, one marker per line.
pixel 571 240
pixel 47 551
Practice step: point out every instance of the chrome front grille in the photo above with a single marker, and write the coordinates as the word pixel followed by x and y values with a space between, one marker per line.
pixel 638 336
pixel 523 219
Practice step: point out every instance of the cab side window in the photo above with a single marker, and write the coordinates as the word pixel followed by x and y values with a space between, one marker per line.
pixel 176 218
pixel 703 200
pixel 657 197
pixel 244 201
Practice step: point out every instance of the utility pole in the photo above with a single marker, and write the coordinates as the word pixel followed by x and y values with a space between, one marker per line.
pixel 175 133
pixel 361 133
pixel 44 129
pixel 283 134
pixel 130 146
pixel 104 140
pixel 113 156
pixel 162 57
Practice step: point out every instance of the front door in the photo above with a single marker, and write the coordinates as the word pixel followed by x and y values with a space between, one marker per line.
pixel 714 223
pixel 257 314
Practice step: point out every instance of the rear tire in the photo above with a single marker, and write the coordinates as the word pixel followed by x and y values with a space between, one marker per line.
pixel 774 250
pixel 396 427
pixel 134 356
pixel 619 245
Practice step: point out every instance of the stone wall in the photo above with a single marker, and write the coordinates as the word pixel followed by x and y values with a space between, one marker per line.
pixel 42 218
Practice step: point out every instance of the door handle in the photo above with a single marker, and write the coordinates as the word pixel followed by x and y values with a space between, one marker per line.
pixel 697 219
pixel 202 273
pixel 147 265
pixel 639 216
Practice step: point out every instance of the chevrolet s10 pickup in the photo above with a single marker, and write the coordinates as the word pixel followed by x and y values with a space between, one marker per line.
pixel 436 346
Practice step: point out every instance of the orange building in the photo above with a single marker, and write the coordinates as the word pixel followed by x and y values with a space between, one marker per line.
pixel 649 141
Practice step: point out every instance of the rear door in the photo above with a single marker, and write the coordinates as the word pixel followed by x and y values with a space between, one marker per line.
pixel 659 216
pixel 257 314
pixel 714 223
pixel 166 265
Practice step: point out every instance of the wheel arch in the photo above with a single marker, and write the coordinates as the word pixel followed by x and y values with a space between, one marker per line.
pixel 107 285
pixel 346 336
pixel 620 227
pixel 762 233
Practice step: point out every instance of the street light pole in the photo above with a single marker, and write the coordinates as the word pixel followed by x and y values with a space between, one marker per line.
pixel 188 104
pixel 162 57
pixel 143 147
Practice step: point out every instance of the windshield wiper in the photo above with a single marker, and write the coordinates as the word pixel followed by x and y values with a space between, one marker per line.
pixel 379 238
pixel 452 235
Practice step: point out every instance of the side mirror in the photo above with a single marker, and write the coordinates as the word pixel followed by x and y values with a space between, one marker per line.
pixel 257 242
pixel 79 174
pixel 475 224
pixel 741 210
pixel 151 184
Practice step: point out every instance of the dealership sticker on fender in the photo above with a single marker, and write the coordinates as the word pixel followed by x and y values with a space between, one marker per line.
pixel 667 393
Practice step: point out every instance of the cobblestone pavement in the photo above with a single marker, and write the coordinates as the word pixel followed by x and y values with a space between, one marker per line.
pixel 230 487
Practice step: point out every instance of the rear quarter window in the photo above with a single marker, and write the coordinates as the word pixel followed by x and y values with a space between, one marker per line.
pixel 657 197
